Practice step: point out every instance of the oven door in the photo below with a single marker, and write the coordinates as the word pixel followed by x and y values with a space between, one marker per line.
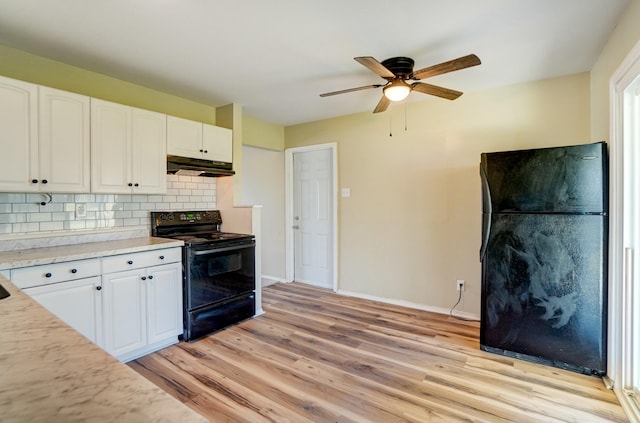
pixel 216 273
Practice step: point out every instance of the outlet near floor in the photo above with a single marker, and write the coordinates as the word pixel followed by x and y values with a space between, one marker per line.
pixel 459 285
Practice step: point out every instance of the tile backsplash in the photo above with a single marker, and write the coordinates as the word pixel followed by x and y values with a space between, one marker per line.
pixel 22 213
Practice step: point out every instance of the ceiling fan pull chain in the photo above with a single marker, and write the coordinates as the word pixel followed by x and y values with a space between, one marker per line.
pixel 405 116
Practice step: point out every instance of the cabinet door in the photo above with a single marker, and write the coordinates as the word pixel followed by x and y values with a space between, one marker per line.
pixel 149 159
pixel 18 136
pixel 124 311
pixel 110 148
pixel 78 303
pixel 164 302
pixel 64 141
pixel 218 142
pixel 184 137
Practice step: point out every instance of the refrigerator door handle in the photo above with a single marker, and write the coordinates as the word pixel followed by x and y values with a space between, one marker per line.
pixel 486 212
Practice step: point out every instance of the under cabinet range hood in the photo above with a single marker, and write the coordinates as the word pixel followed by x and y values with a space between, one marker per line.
pixel 198 167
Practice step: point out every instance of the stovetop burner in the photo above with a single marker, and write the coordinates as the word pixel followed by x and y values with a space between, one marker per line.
pixel 209 237
pixel 192 227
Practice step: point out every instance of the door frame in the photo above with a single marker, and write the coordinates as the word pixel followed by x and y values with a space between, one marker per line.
pixel 289 234
pixel 619 284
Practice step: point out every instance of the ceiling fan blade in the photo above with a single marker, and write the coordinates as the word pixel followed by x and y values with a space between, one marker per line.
pixel 374 66
pixel 348 90
pixel 435 90
pixel 445 67
pixel 383 104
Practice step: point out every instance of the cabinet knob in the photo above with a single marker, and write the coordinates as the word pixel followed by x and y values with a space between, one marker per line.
pixel 47 275
pixel 44 181
pixel 161 257
pixel 205 151
pixel 201 150
pixel 130 184
pixel 74 270
pixel 136 185
pixel 98 288
pixel 150 276
pixel 144 278
pixel 130 262
pixel 34 181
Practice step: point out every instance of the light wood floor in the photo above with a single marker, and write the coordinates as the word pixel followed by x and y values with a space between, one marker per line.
pixel 319 357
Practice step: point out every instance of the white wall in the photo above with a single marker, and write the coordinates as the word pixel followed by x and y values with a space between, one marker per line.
pixel 263 184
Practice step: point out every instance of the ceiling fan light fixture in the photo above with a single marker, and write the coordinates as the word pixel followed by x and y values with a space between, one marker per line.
pixel 398 90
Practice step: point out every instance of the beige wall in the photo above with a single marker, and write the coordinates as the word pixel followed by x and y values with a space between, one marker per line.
pixel 258 133
pixel 411 227
pixel 263 184
pixel 622 40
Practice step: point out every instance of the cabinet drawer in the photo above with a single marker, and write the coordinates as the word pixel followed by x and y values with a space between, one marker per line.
pixel 139 260
pixel 27 277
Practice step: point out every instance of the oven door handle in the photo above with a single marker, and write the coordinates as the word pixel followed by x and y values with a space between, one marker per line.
pixel 222 250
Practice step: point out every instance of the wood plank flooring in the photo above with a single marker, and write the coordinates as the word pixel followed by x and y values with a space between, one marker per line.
pixel 315 356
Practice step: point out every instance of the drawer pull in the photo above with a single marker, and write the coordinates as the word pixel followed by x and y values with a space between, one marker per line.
pixel 74 270
pixel 98 288
pixel 47 275
pixel 161 257
pixel 130 262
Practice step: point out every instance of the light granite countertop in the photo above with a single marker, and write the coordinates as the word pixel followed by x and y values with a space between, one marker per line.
pixel 61 253
pixel 51 373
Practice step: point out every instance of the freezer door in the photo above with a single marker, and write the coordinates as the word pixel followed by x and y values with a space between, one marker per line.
pixel 544 290
pixel 548 180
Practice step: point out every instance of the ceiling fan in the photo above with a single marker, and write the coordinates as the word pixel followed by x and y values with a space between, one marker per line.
pixel 398 70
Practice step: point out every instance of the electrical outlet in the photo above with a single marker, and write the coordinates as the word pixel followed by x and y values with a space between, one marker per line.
pixel 459 285
pixel 81 211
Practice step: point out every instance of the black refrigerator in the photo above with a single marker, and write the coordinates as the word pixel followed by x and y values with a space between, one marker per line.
pixel 544 256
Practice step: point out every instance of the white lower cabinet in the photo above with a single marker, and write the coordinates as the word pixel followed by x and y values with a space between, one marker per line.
pixel 78 303
pixel 128 304
pixel 142 310
pixel 124 312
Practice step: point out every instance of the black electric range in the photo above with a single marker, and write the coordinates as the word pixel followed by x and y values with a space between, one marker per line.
pixel 218 269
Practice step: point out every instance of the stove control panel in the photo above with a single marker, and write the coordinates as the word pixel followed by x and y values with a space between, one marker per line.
pixel 186 217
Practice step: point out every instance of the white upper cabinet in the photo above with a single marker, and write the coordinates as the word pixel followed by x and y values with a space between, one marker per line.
pixel 18 135
pixel 64 141
pixel 184 138
pixel 44 139
pixel 128 149
pixel 187 138
pixel 149 158
pixel 218 142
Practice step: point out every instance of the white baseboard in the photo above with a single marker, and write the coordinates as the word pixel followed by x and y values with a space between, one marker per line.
pixel 270 280
pixel 409 304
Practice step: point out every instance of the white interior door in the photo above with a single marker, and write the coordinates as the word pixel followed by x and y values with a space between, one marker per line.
pixel 313 217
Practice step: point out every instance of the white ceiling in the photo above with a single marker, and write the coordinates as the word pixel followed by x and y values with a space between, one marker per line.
pixel 275 57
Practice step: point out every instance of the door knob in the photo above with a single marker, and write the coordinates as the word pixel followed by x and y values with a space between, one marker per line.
pixel 296 227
